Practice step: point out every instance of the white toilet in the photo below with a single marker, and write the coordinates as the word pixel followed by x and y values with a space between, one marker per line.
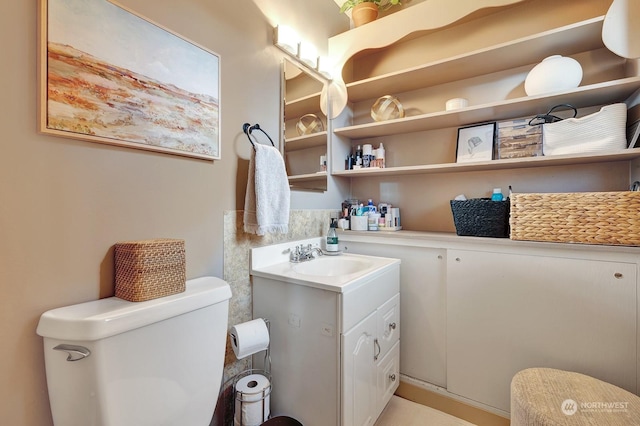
pixel 111 362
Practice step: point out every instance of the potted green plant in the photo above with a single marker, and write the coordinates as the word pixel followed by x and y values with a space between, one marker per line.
pixel 380 4
pixel 365 11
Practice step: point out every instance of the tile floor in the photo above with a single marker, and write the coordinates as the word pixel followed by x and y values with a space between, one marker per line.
pixel 402 412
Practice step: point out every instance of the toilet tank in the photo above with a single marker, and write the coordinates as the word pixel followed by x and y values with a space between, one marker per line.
pixel 111 362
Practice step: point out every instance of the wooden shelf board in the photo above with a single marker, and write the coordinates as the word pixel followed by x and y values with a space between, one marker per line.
pixel 595 94
pixel 301 106
pixel 567 40
pixel 306 141
pixel 513 163
pixel 308 177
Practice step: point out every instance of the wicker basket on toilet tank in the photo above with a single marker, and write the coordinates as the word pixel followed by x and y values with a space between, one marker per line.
pixel 149 269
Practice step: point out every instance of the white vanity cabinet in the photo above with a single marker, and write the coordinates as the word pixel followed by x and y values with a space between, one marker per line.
pixel 334 351
pixel 370 364
pixel 510 311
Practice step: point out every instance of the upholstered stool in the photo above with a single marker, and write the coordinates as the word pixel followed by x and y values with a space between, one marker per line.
pixel 546 397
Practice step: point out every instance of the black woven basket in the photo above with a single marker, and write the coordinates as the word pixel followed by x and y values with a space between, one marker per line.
pixel 481 217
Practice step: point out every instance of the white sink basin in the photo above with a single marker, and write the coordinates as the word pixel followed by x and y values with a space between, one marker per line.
pixel 332 266
pixel 341 273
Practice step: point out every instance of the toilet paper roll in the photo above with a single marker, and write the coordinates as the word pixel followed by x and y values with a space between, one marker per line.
pixel 252 400
pixel 249 338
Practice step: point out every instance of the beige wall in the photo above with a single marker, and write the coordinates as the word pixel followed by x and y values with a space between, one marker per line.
pixel 64 203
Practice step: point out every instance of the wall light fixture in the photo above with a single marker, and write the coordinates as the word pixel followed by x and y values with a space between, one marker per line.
pixel 304 53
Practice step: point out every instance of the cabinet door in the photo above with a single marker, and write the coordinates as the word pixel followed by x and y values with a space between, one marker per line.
pixel 423 306
pixel 359 374
pixel 388 325
pixel 507 312
pixel 388 372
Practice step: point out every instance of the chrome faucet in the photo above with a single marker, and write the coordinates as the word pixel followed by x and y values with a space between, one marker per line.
pixel 303 253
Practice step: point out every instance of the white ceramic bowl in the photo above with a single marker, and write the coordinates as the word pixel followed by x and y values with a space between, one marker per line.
pixel 554 74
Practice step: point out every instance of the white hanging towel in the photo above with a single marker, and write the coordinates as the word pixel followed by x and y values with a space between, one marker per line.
pixel 266 203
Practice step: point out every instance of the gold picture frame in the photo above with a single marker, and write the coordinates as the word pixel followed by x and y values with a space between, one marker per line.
pixel 108 75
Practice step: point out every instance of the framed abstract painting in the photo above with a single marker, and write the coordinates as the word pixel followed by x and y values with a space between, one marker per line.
pixel 108 75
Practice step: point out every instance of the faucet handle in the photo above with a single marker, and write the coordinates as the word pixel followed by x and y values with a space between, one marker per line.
pixel 294 255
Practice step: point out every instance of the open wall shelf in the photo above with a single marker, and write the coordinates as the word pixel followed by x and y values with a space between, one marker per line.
pixel 512 163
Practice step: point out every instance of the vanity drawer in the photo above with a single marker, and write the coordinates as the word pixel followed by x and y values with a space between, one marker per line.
pixel 369 296
pixel 388 327
pixel 388 377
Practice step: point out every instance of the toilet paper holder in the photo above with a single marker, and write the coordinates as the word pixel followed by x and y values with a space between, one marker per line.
pixel 246 403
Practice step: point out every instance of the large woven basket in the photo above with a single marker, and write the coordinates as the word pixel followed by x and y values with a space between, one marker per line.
pixel 149 269
pixel 611 218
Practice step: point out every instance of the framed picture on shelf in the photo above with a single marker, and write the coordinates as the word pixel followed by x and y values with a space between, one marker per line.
pixel 475 143
pixel 108 75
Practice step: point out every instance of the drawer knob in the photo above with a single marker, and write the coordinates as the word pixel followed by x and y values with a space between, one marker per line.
pixel 618 275
pixel 392 377
pixel 392 326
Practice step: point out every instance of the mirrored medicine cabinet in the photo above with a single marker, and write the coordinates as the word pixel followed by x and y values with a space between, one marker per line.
pixel 304 128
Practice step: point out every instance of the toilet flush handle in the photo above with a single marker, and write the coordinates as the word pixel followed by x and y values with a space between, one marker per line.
pixel 76 353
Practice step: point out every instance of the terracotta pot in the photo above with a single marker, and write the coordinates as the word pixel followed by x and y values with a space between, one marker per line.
pixel 363 13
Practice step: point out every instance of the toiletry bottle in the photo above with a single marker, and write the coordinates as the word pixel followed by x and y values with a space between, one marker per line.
pixel 359 156
pixel 348 163
pixel 370 207
pixel 380 156
pixel 332 237
pixel 497 194
pixel 372 221
pixel 367 155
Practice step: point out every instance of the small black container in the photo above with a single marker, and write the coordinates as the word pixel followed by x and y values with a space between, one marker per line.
pixel 481 217
pixel 282 421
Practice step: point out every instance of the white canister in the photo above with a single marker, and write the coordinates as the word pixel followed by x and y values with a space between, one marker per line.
pixel 359 223
pixel 456 103
pixel 343 223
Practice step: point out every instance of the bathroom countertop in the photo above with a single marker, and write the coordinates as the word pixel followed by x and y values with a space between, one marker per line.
pixel 451 240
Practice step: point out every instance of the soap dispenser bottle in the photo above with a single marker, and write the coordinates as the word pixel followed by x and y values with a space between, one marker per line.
pixel 332 237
